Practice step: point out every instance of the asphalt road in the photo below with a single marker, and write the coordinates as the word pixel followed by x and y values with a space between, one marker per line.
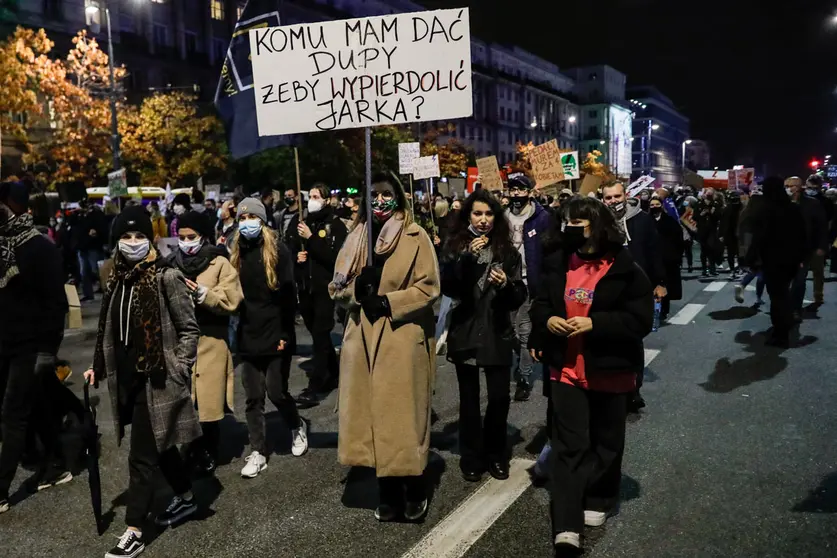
pixel 734 457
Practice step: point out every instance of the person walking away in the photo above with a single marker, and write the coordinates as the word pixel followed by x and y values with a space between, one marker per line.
pixel 689 230
pixel 728 231
pixel 779 243
pixel 481 270
pixel 670 235
pixel 284 216
pixel 180 205
pixel 814 190
pixel 145 348
pixel 529 223
pixel 315 244
pixel 388 359
pixel 33 306
pixel 707 217
pixel 642 240
pixel 589 318
pixel 213 283
pixel 816 231
pixel 746 223
pixel 266 339
pixel 89 236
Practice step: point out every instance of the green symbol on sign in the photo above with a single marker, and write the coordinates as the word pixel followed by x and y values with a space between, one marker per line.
pixel 568 160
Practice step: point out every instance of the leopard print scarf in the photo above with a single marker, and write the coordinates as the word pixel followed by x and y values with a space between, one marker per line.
pixel 145 333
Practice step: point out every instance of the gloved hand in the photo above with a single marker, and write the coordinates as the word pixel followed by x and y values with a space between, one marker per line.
pixel 375 307
pixel 45 364
pixel 368 282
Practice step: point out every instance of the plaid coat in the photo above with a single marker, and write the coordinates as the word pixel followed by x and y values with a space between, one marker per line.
pixel 173 416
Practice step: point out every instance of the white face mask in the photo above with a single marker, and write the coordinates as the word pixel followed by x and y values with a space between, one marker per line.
pixel 315 205
pixel 134 252
pixel 190 247
pixel 179 209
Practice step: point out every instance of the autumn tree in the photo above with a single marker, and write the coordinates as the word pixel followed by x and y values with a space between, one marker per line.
pixel 593 165
pixel 453 154
pixel 167 140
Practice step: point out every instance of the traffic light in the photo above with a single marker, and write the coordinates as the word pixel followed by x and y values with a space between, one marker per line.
pixel 815 164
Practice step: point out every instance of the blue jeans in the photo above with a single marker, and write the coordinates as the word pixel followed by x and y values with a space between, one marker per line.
pixel 88 266
pixel 522 324
pixel 747 279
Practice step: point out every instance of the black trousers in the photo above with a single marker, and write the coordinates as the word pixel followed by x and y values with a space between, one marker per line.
pixel 266 376
pixel 588 439
pixel 27 399
pixel 732 254
pixel 483 440
pixel 144 459
pixel 394 490
pixel 317 312
pixel 210 441
pixel 687 251
pixel 777 281
pixel 708 255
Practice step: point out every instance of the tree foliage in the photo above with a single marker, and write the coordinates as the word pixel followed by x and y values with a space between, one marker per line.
pixel 453 154
pixel 167 140
pixel 593 165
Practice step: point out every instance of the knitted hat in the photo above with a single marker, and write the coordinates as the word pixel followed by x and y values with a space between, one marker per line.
pixel 132 219
pixel 520 181
pixel 252 206
pixel 198 222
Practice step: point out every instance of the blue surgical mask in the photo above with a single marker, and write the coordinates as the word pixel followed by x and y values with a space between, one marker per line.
pixel 251 228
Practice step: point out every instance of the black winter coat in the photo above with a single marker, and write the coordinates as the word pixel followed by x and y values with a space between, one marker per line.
pixel 671 245
pixel 481 325
pixel 644 246
pixel 622 313
pixel 327 236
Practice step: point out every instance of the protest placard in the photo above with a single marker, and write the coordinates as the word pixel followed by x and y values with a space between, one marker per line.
pixel 213 192
pixel 546 164
pixel 407 153
pixel 590 184
pixel 426 167
pixel 490 173
pixel 570 162
pixel 642 183
pixel 393 69
pixel 117 184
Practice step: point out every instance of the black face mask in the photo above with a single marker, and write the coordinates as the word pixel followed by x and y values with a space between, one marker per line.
pixel 290 201
pixel 656 211
pixel 573 237
pixel 518 202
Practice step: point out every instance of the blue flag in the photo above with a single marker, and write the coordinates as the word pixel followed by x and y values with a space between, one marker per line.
pixel 235 97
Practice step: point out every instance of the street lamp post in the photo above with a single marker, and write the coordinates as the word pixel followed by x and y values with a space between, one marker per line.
pixel 683 158
pixel 114 128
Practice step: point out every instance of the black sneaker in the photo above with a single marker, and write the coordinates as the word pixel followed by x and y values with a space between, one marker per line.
pixel 53 478
pixel 129 545
pixel 178 510
pixel 522 393
pixel 385 513
pixel 307 399
pixel 415 511
pixel 636 403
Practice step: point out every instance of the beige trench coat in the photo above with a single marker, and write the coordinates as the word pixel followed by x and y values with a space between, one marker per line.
pixel 213 379
pixel 387 369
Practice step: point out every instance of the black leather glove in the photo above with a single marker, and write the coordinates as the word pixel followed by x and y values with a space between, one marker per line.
pixel 368 282
pixel 45 364
pixel 375 307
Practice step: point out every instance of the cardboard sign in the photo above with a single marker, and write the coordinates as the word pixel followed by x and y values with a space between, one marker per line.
pixel 741 179
pixel 74 313
pixel 354 73
pixel 641 183
pixel 590 184
pixel 426 167
pixel 407 153
pixel 570 162
pixel 213 192
pixel 490 173
pixel 117 184
pixel 546 164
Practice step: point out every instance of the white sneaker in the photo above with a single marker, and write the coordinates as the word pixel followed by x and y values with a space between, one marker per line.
pixel 299 445
pixel 594 518
pixel 568 538
pixel 4 506
pixel 739 294
pixel 256 463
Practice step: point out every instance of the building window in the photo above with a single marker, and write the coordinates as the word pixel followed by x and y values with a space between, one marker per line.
pixel 191 42
pixel 593 113
pixel 216 9
pixel 53 9
pixel 219 47
pixel 502 113
pixel 528 96
pixel 470 132
pixel 127 23
pixel 593 131
pixel 161 35
pixel 479 133
pixel 488 134
pixel 511 142
pixel 516 116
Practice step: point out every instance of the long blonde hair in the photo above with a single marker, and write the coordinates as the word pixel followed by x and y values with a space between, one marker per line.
pixel 270 254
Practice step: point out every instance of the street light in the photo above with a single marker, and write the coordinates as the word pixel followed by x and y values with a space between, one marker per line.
pixel 655 127
pixel 572 119
pixel 91 10
pixel 683 158
pixel 602 142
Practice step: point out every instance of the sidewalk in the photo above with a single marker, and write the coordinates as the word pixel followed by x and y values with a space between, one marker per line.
pixel 89 323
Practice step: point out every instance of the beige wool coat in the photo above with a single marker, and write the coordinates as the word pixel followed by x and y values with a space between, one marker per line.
pixel 387 369
pixel 213 379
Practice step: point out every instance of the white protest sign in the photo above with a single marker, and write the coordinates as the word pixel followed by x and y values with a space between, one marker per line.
pixel 642 183
pixel 407 153
pixel 353 73
pixel 426 167
pixel 213 192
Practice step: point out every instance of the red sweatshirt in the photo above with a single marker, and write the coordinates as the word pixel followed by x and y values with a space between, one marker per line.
pixel 582 278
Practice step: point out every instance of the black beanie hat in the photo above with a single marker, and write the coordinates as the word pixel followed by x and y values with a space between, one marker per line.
pixel 198 222
pixel 133 218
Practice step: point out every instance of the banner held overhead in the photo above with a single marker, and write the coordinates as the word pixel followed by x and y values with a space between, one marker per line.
pixel 394 69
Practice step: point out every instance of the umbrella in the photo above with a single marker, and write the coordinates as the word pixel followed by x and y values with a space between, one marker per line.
pixel 91 445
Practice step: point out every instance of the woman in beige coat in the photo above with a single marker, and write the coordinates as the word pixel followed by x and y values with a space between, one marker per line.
pixel 388 363
pixel 216 290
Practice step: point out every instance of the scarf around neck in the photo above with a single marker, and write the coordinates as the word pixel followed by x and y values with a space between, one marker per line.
pixel 16 232
pixel 352 257
pixel 192 266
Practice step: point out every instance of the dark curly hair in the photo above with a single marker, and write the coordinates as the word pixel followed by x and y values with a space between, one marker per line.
pixel 461 237
pixel 603 226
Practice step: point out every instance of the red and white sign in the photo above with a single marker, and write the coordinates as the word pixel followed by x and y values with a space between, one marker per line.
pixel 741 179
pixel 718 179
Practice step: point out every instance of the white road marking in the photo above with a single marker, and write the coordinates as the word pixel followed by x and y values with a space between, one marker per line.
pixel 650 355
pixel 715 286
pixel 686 314
pixel 751 288
pixel 456 533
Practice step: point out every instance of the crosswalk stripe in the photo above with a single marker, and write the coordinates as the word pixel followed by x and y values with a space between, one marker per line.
pixel 686 314
pixel 715 286
pixel 457 532
pixel 650 355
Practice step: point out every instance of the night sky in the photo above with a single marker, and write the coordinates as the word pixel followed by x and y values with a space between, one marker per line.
pixel 757 79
